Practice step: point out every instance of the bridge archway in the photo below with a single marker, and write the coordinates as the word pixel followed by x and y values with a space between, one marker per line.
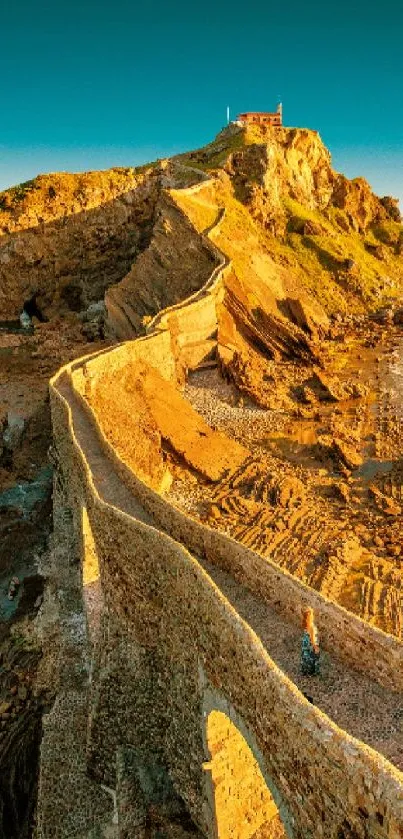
pixel 243 806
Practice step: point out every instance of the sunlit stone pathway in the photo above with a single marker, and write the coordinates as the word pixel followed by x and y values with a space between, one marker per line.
pixel 353 700
pixel 365 709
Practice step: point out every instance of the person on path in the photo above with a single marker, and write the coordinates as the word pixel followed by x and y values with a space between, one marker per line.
pixel 310 651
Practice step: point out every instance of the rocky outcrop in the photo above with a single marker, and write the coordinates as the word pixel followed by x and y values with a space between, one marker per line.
pixel 286 163
pixel 71 238
pixel 176 263
pixel 359 202
pixel 20 735
pixel 293 163
pixel 263 326
pixel 68 237
pixel 391 206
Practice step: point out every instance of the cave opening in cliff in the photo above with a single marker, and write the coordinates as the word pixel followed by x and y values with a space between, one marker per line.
pixel 33 309
pixel 244 807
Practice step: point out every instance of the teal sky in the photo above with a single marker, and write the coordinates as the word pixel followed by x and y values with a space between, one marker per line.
pixel 89 85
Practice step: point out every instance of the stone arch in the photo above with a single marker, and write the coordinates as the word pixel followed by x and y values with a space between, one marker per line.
pixel 242 803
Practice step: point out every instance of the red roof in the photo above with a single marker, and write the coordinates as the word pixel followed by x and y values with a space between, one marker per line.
pixel 260 114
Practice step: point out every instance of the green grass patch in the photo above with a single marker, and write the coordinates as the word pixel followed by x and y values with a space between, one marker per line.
pixel 388 232
pixel 215 154
pixel 16 194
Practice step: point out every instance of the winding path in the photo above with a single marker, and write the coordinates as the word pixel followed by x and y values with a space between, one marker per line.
pixel 368 711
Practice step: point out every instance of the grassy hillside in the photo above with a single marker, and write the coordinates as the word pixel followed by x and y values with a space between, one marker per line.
pixel 288 211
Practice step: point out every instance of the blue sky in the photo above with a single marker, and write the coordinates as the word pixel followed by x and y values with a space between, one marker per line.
pixel 87 84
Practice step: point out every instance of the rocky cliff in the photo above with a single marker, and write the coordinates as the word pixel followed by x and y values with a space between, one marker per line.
pixel 175 264
pixel 340 242
pixel 301 243
pixel 71 238
pixel 275 164
pixel 68 237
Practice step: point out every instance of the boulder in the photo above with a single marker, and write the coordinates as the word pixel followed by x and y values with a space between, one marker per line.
pixel 398 316
pixel 330 389
pixel 96 311
pixel 14 430
pixel 341 492
pixel 384 502
pixel 94 319
pixel 308 315
pixel 93 331
pixel 327 388
pixel 346 453
pixel 287 492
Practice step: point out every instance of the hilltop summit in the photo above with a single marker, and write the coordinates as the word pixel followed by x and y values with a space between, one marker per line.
pixel 235 261
pixel 134 232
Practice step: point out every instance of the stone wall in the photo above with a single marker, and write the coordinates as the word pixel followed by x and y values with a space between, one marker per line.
pixel 171 333
pixel 177 262
pixel 367 647
pixel 173 649
pixel 242 802
pixel 192 323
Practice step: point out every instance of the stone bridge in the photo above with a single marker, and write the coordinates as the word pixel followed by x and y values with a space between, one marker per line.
pixel 185 684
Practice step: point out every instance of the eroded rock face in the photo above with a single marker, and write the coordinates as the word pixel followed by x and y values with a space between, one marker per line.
pixel 294 163
pixel 176 263
pixel 287 162
pixel 254 328
pixel 359 202
pixel 68 237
